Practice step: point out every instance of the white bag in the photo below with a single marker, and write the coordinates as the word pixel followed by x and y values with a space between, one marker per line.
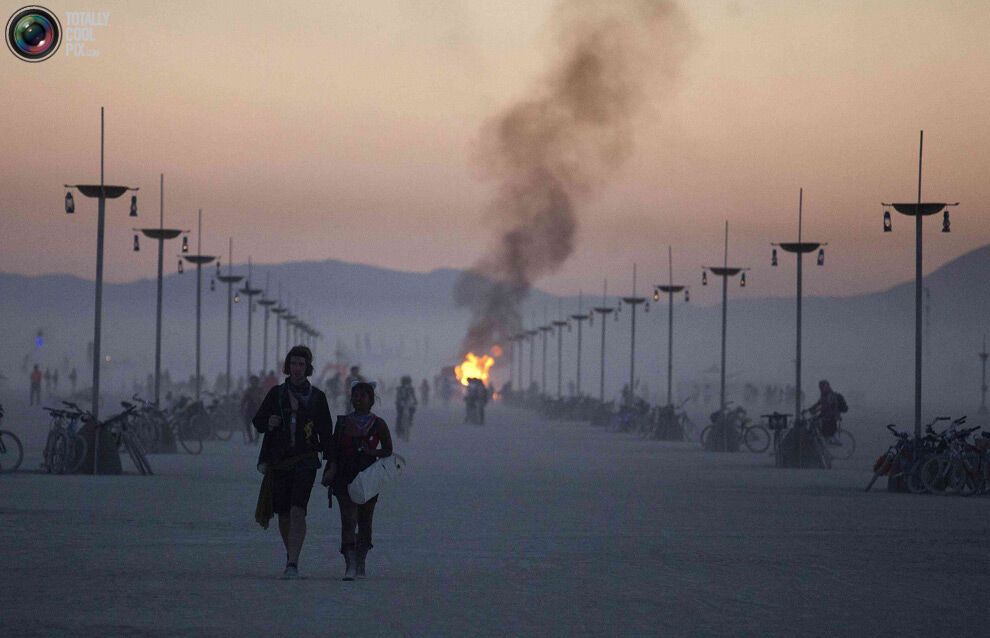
pixel 369 483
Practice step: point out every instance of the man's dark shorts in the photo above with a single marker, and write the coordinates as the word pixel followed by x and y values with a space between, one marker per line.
pixel 291 487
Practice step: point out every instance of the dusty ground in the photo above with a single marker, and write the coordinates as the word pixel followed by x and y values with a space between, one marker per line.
pixel 518 528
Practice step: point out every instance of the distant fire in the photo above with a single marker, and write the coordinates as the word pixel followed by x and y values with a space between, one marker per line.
pixel 475 367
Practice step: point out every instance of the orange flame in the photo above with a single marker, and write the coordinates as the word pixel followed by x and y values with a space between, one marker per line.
pixel 474 367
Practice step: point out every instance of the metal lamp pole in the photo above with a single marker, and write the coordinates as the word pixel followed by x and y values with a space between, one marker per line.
pixel 918 210
pixel 560 325
pixel 199 259
pixel 580 318
pixel 633 301
pixel 101 192
pixel 604 311
pixel 267 304
pixel 670 289
pixel 544 333
pixel 983 383
pixel 799 249
pixel 230 279
pixel 250 293
pixel 725 272
pixel 160 234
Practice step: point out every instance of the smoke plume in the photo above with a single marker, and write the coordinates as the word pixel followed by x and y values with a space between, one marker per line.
pixel 555 148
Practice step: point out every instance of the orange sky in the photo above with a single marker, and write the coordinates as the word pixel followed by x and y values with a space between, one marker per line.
pixel 347 130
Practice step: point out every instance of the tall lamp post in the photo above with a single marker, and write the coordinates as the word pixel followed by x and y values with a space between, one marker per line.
pixel 101 192
pixel 200 260
pixel 670 290
pixel 580 318
pixel 250 293
pixel 267 304
pixel 604 311
pixel 278 311
pixel 799 249
pixel 725 272
pixel 519 339
pixel 559 325
pixel 545 330
pixel 532 349
pixel 161 235
pixel 633 301
pixel 983 384
pixel 918 210
pixel 230 279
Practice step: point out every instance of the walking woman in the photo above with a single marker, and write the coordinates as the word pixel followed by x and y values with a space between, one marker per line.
pixel 296 422
pixel 360 439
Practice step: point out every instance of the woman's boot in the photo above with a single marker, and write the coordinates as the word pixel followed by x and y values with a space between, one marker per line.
pixel 350 564
pixel 362 554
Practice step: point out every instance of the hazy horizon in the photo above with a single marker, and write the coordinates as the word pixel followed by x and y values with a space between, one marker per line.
pixel 355 138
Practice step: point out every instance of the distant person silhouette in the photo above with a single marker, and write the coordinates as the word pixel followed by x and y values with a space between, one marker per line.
pixel 36 377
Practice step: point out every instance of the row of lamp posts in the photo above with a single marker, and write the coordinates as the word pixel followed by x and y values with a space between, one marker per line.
pixel 102 192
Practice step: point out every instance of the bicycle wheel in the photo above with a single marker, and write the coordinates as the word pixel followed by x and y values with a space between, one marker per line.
pixel 190 440
pixel 844 446
pixel 77 449
pixel 935 473
pixel 223 431
pixel 823 454
pixel 914 478
pixel 57 454
pixel 965 477
pixel 11 452
pixel 757 439
pixel 705 433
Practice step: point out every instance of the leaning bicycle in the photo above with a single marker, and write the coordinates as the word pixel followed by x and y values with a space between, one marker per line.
pixel 11 450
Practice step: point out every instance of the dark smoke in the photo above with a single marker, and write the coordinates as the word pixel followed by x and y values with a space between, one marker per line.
pixel 555 148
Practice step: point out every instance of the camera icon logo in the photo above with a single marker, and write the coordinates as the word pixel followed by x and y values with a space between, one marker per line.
pixel 33 34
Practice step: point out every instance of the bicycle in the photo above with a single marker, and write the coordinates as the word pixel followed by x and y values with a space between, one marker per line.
pixel 957 469
pixel 841 445
pixel 11 450
pixel 754 437
pixel 897 457
pixel 65 450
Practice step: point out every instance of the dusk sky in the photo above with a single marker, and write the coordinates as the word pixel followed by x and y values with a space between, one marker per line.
pixel 349 130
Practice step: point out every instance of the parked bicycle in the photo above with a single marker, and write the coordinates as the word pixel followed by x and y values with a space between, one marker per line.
pixel 11 450
pixel 65 449
pixel 754 436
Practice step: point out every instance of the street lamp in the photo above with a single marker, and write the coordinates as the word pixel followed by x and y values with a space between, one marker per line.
pixel 720 434
pixel 799 249
pixel 267 304
pixel 199 259
pixel 918 210
pixel 604 311
pixel 532 349
pixel 278 311
pixel 633 301
pixel 670 289
pixel 559 325
pixel 580 318
pixel 161 235
pixel 983 384
pixel 250 293
pixel 545 330
pixel 230 279
pixel 101 192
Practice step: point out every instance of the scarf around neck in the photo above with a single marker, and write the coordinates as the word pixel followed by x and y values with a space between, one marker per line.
pixel 362 423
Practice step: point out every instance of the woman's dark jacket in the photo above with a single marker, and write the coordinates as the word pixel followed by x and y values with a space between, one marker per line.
pixel 312 440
